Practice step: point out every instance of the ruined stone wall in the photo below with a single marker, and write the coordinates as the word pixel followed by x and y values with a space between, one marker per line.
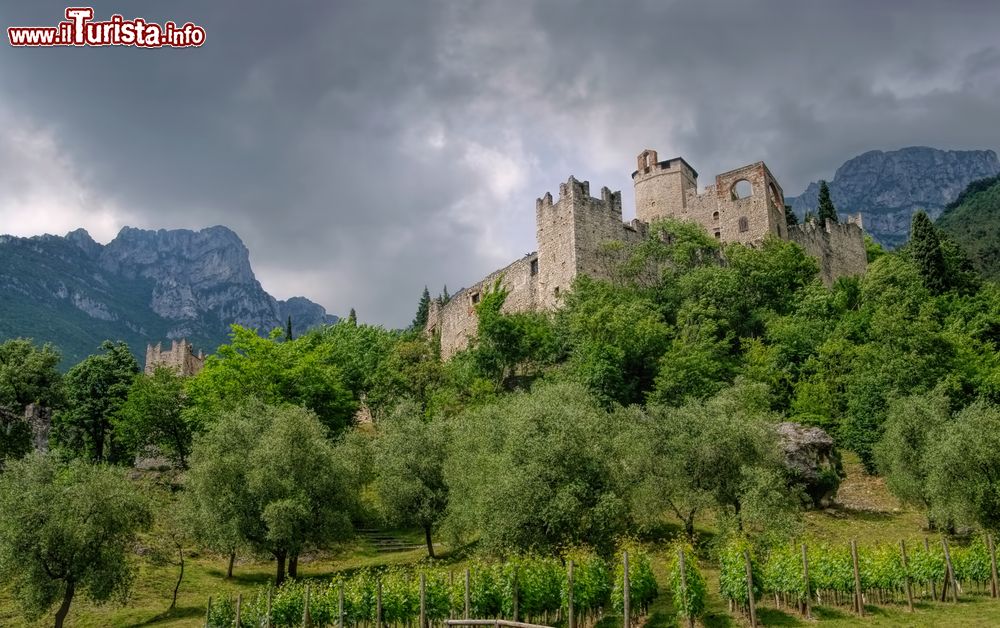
pixel 572 233
pixel 839 248
pixel 180 357
pixel 731 218
pixel 456 321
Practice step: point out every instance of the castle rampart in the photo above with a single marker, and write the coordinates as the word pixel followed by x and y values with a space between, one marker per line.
pixel 744 205
pixel 180 357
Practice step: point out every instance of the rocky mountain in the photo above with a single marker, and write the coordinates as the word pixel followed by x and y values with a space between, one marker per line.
pixel 887 187
pixel 973 221
pixel 143 286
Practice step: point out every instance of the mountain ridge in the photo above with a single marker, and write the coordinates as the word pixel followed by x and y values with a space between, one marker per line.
pixel 144 286
pixel 887 187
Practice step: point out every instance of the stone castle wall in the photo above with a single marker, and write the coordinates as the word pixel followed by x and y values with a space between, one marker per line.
pixel 744 205
pixel 180 357
pixel 456 320
pixel 570 233
pixel 838 247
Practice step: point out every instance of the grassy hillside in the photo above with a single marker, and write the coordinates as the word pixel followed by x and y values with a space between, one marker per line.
pixel 865 511
pixel 973 220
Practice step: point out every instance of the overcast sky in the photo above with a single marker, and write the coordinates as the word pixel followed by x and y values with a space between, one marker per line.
pixel 364 149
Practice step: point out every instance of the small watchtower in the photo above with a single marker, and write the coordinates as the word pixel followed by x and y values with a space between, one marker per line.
pixel 662 187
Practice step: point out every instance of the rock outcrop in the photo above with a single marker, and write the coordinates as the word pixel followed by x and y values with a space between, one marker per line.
pixel 886 188
pixel 812 460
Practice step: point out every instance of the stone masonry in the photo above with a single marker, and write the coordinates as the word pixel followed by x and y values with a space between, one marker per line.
pixel 180 357
pixel 744 205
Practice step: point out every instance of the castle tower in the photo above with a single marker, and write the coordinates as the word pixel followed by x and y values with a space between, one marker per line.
pixel 570 233
pixel 749 205
pixel 180 357
pixel 662 187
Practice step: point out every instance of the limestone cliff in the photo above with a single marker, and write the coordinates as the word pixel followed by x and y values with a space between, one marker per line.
pixel 143 286
pixel 887 187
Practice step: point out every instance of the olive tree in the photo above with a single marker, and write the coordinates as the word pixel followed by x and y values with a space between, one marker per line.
pixel 269 478
pixel 720 454
pixel 409 469
pixel 963 463
pixel 534 472
pixel 67 528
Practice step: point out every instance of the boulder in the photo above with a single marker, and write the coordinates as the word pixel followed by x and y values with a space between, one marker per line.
pixel 812 460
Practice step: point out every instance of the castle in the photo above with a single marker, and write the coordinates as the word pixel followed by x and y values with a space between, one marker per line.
pixel 181 357
pixel 744 205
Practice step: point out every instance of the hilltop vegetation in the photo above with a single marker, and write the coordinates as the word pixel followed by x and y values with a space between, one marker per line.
pixel 973 221
pixel 644 407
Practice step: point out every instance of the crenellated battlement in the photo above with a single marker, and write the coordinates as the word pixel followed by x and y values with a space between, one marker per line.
pixel 180 357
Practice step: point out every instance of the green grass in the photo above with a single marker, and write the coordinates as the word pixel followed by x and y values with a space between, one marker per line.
pixel 872 516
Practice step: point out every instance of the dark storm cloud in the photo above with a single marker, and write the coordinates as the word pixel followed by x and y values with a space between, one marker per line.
pixel 364 149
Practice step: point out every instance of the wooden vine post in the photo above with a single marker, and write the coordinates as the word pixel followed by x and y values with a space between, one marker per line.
pixel 514 601
pixel 951 570
pixel 805 580
pixel 684 595
pixel 378 604
pixel 859 602
pixel 306 617
pixel 927 547
pixel 267 617
pixel 423 600
pixel 906 576
pixel 569 595
pixel 239 609
pixel 993 566
pixel 750 600
pixel 340 606
pixel 467 600
pixel 626 607
pixel 208 613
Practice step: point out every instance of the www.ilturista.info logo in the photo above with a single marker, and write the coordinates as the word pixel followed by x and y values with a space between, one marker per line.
pixel 80 29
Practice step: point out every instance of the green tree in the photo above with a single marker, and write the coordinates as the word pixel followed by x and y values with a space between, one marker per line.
pixel 529 473
pixel 790 217
pixel 288 329
pixel 721 453
pixel 28 374
pixel 925 249
pixel 964 468
pixel 423 310
pixel 65 529
pixel 96 389
pixel 509 345
pixel 352 317
pixel 302 372
pixel 615 335
pixel 825 211
pixel 912 424
pixel 270 475
pixel 153 415
pixel 409 469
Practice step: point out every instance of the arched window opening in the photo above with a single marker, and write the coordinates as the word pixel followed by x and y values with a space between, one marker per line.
pixel 742 189
pixel 744 224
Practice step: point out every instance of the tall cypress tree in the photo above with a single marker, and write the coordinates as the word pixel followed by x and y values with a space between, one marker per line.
pixel 423 309
pixel 825 210
pixel 925 249
pixel 288 328
pixel 352 318
pixel 790 217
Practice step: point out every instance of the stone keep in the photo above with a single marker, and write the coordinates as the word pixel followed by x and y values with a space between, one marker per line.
pixel 180 357
pixel 744 205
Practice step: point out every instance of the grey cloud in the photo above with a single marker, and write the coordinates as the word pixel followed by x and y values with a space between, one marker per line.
pixel 363 149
